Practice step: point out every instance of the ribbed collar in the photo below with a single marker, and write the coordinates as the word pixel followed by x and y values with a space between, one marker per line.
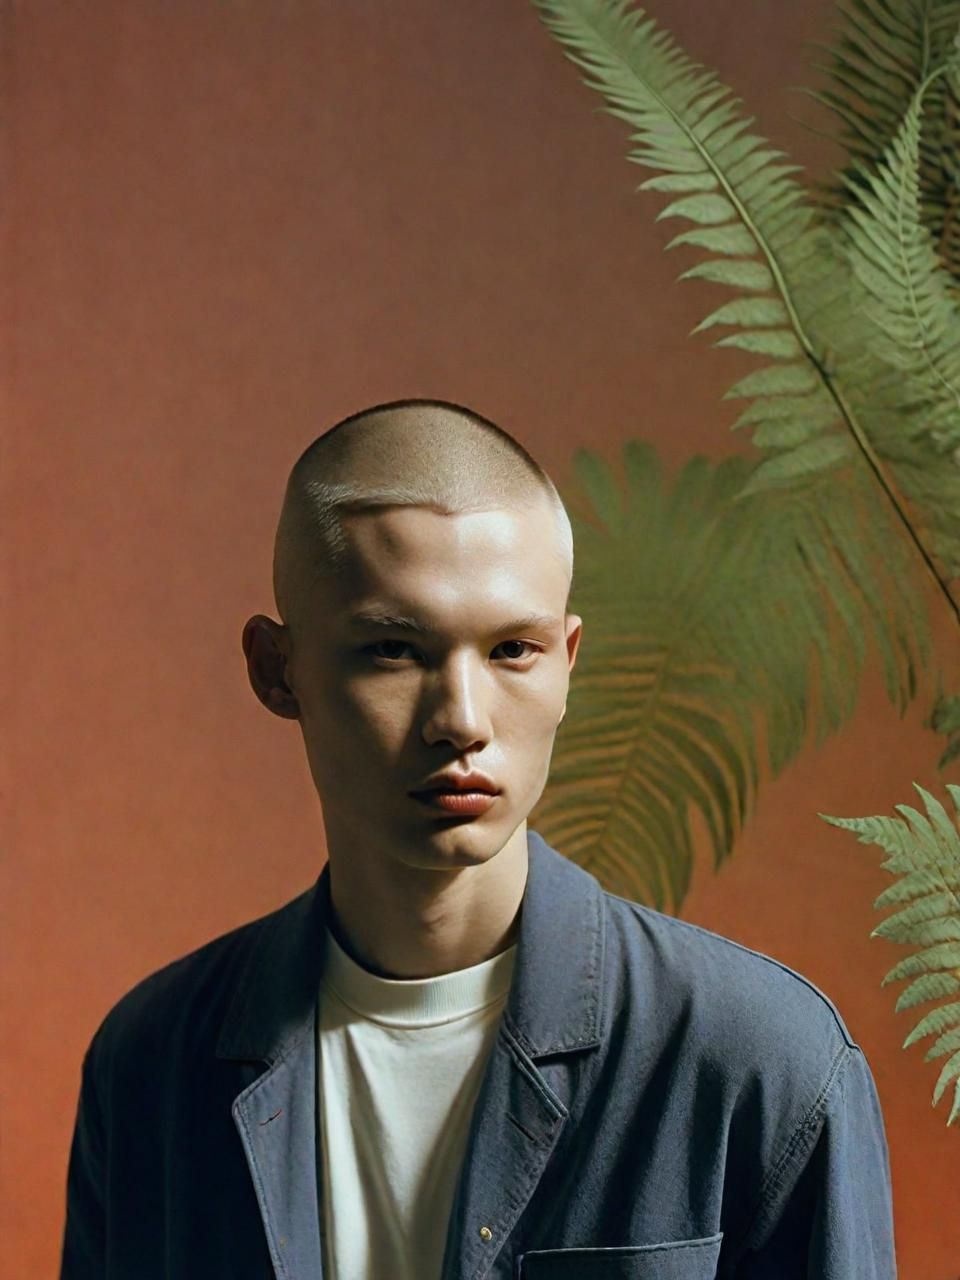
pixel 416 1002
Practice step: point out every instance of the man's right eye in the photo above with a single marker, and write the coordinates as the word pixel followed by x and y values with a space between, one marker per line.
pixel 375 649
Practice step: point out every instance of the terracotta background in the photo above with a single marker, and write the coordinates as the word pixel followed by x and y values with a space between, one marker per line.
pixel 230 223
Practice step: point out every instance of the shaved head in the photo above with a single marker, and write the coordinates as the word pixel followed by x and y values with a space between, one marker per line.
pixel 428 453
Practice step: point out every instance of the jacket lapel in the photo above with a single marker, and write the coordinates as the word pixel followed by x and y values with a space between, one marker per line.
pixel 272 1020
pixel 276 1120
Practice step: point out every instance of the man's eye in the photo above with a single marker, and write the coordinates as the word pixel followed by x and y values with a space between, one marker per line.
pixel 399 644
pixel 522 644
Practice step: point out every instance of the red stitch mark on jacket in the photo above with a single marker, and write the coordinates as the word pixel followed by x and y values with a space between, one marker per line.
pixel 273 1117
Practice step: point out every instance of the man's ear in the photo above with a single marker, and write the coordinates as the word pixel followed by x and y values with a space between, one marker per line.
pixel 574 631
pixel 265 645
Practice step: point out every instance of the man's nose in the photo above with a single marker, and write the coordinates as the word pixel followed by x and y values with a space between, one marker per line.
pixel 456 702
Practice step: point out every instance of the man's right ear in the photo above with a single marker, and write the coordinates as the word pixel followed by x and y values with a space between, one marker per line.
pixel 263 647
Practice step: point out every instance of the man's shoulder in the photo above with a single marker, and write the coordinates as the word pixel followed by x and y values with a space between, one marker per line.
pixel 739 1003
pixel 194 989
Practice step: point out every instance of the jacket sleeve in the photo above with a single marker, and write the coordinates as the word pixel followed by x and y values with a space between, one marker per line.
pixel 827 1212
pixel 83 1254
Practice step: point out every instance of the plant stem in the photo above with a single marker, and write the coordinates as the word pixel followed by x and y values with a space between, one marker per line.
pixel 877 468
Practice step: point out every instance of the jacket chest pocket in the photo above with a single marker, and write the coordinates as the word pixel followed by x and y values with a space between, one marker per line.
pixel 673 1260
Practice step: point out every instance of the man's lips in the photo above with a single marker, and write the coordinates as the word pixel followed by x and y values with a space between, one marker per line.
pixel 454 780
pixel 454 801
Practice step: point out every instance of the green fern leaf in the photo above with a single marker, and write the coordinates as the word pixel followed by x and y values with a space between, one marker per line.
pixel 780 343
pixel 748 210
pixel 947 1043
pixel 951 1068
pixel 740 273
pixel 732 240
pixel 930 987
pixel 942 929
pixel 699 181
pixel 787 413
pixel 778 379
pixel 784 435
pixel 904 375
pixel 747 312
pixel 706 210
pixel 604 497
pixel 810 458
pixel 945 955
pixel 647 730
pixel 915 883
pixel 917 325
pixel 884 51
pixel 947 1015
pixel 925 848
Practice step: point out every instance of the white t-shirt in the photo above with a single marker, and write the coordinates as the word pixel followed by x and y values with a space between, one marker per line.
pixel 399 1066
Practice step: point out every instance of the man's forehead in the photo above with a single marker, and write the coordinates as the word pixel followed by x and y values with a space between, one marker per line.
pixel 399 562
pixel 414 534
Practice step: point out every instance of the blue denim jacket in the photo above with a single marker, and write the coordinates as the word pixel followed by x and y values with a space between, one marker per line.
pixel 660 1103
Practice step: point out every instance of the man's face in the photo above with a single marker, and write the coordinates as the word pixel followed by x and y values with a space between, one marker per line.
pixel 384 708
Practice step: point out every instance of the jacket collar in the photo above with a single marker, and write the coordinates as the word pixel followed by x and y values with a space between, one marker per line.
pixel 555 1000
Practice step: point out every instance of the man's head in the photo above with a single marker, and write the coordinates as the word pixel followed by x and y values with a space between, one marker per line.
pixel 419 514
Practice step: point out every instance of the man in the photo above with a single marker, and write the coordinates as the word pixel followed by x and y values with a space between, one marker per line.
pixel 455 1056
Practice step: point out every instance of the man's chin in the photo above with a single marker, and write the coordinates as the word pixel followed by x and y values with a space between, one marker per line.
pixel 453 845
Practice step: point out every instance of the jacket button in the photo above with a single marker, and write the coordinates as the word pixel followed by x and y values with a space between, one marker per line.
pixel 486 1233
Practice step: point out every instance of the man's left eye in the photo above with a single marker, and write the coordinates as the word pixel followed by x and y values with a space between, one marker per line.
pixel 522 643
pixel 381 643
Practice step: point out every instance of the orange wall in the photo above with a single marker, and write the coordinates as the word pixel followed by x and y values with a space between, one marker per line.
pixel 230 224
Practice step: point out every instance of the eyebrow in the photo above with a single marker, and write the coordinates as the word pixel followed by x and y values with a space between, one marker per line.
pixel 403 622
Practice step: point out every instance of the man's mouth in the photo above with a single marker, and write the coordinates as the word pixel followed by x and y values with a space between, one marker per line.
pixel 450 800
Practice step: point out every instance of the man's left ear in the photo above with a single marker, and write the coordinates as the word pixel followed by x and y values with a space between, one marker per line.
pixel 574 635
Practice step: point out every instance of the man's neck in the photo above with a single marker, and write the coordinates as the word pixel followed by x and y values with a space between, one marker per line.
pixel 385 923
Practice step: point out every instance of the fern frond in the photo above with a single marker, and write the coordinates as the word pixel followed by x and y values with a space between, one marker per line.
pixel 705 616
pixel 737 190
pixel 917 323
pixel 752 219
pixel 655 720
pixel 925 851
pixel 882 53
pixel 905 378
pixel 879 303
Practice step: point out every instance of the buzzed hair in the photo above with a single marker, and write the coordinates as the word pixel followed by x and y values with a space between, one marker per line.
pixel 429 453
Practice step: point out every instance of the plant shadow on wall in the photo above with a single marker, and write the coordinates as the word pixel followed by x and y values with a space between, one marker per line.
pixel 717 607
